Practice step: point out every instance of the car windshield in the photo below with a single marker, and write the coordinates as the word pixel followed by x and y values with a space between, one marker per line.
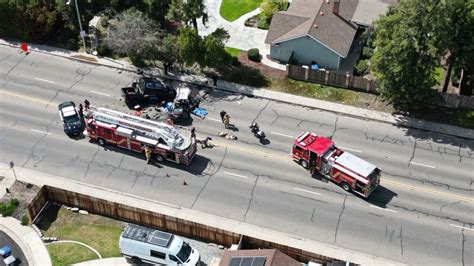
pixel 184 252
pixel 71 119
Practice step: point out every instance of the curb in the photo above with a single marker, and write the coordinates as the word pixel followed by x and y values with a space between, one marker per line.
pixel 252 94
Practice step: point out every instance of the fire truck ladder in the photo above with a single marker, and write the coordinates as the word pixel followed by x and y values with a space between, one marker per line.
pixel 149 128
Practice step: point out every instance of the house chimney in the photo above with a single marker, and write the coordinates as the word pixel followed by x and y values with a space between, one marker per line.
pixel 335 8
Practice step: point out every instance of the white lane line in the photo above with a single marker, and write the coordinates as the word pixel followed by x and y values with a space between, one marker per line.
pixel 471 229
pixel 236 175
pixel 377 207
pixel 42 132
pixel 349 149
pixel 100 93
pixel 280 134
pixel 307 191
pixel 425 165
pixel 45 80
pixel 212 119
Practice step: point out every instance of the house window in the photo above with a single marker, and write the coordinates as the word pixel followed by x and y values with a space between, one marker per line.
pixel 157 254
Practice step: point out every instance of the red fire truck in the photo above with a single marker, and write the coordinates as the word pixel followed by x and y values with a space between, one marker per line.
pixel 135 133
pixel 321 156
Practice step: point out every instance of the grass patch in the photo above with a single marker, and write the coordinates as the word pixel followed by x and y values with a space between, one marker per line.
pixel 465 118
pixel 316 91
pixel 69 253
pixel 233 9
pixel 232 51
pixel 99 232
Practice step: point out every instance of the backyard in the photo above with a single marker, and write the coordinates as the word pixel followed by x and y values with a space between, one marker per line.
pixel 101 233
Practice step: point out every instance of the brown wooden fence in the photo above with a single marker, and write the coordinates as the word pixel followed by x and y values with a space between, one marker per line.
pixel 165 222
pixel 331 78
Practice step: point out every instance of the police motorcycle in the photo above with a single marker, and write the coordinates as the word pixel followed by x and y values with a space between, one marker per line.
pixel 256 131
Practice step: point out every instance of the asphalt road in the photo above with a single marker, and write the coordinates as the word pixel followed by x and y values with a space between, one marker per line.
pixel 16 251
pixel 422 213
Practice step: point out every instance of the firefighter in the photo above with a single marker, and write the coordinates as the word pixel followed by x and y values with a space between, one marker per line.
pixel 222 113
pixel 193 133
pixel 226 120
pixel 86 104
pixel 148 154
pixel 81 111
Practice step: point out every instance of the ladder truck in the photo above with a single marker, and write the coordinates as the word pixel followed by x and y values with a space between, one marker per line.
pixel 135 133
pixel 321 156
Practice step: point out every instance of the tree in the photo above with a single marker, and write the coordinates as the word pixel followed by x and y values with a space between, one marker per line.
pixel 134 34
pixel 168 51
pixel 188 46
pixel 406 56
pixel 158 9
pixel 213 45
pixel 455 33
pixel 185 11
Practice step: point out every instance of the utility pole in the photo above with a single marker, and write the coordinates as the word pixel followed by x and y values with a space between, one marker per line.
pixel 82 33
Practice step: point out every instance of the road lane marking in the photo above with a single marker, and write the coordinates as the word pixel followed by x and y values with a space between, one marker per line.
pixel 280 134
pixel 45 80
pixel 212 119
pixel 307 191
pixel 269 155
pixel 420 164
pixel 430 191
pixel 471 229
pixel 21 96
pixel 41 132
pixel 246 177
pixel 349 149
pixel 377 207
pixel 100 93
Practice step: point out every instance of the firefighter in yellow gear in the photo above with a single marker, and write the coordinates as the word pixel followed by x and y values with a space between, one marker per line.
pixel 226 120
pixel 148 154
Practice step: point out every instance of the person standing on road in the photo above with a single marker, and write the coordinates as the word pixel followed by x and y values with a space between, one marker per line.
pixel 223 113
pixel 86 104
pixel 193 133
pixel 81 111
pixel 226 120
pixel 148 154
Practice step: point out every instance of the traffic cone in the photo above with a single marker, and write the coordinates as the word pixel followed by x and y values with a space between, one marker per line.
pixel 24 48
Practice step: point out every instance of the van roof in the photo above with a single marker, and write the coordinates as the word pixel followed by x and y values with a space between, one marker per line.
pixel 147 235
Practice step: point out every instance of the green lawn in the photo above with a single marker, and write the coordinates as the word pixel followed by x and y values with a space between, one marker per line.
pixel 233 9
pixel 99 232
pixel 63 254
pixel 232 51
pixel 438 75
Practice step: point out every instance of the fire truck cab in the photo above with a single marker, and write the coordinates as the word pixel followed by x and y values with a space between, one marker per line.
pixel 321 156
pixel 135 133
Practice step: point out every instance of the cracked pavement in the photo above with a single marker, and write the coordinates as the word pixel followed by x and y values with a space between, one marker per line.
pixel 237 182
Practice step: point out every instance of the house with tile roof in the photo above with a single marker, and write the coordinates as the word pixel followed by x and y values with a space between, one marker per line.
pixel 320 31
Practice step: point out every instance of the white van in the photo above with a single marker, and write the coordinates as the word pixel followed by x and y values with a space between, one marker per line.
pixel 142 244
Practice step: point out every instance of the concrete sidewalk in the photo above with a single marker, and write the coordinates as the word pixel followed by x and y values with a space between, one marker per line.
pixel 41 179
pixel 397 120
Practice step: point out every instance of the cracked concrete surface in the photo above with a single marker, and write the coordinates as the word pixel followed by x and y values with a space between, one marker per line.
pixel 339 219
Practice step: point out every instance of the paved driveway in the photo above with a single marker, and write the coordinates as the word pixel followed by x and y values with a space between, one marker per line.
pixel 16 251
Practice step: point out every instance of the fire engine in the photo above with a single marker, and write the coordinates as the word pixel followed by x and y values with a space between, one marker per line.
pixel 321 156
pixel 135 133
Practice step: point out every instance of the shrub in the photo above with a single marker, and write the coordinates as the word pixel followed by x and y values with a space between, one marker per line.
pixel 367 52
pixel 254 55
pixel 25 220
pixel 361 67
pixel 8 208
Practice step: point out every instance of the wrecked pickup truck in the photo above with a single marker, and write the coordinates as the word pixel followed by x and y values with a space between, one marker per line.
pixel 146 91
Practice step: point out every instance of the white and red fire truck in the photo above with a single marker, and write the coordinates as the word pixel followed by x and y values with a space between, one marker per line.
pixel 321 156
pixel 135 133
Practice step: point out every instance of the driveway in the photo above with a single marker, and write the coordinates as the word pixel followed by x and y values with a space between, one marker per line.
pixel 16 251
pixel 241 37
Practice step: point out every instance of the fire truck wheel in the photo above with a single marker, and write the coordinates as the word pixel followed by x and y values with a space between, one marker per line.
pixel 159 158
pixel 101 141
pixel 346 186
pixel 304 163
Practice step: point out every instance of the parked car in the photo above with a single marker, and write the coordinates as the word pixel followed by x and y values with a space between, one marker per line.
pixel 142 244
pixel 8 258
pixel 73 123
pixel 147 90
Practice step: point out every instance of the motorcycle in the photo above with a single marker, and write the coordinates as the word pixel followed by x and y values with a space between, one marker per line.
pixel 256 131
